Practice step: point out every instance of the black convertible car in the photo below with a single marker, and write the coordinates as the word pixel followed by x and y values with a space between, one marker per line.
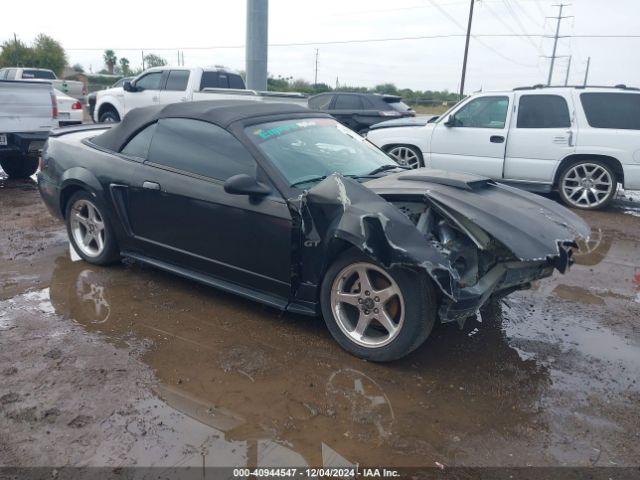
pixel 286 206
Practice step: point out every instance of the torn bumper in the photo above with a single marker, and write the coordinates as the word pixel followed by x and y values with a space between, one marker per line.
pixel 497 282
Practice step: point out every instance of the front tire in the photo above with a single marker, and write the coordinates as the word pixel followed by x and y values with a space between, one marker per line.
pixel 18 165
pixel 587 184
pixel 90 230
pixel 406 155
pixel 375 313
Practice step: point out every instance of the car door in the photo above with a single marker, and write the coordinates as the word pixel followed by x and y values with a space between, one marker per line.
pixel 473 138
pixel 542 133
pixel 147 92
pixel 180 213
pixel 345 109
pixel 175 87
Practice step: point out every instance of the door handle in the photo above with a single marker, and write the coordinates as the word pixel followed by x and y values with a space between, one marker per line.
pixel 496 139
pixel 151 185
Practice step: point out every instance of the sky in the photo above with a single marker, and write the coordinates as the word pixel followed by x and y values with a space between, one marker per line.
pixel 213 33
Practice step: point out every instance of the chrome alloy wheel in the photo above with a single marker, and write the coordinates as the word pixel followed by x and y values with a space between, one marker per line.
pixel 587 185
pixel 367 305
pixel 405 156
pixel 87 228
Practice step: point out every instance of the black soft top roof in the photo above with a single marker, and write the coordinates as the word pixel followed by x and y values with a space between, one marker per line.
pixel 219 112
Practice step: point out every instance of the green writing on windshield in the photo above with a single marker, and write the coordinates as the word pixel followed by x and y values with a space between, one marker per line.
pixel 282 129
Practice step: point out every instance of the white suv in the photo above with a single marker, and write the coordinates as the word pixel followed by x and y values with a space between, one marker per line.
pixel 579 141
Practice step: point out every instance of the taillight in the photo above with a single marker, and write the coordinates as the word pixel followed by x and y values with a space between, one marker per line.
pixel 40 163
pixel 76 106
pixel 54 106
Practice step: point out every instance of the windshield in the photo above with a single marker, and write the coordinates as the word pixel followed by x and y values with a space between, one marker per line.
pixel 307 150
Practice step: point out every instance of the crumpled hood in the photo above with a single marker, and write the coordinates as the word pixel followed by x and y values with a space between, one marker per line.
pixel 530 225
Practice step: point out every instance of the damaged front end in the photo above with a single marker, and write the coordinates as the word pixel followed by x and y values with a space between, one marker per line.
pixel 474 238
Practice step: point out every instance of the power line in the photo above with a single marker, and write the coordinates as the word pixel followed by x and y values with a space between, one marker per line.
pixel 508 26
pixel 513 14
pixel 364 40
pixel 475 37
pixel 385 10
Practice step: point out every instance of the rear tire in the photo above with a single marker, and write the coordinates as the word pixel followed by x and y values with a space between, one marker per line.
pixel 587 184
pixel 409 309
pixel 18 165
pixel 90 230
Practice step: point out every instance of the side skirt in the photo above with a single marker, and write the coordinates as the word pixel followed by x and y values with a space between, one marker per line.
pixel 536 187
pixel 258 296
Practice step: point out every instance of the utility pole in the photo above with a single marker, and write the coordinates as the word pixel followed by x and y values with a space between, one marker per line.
pixel 466 51
pixel 555 38
pixel 586 73
pixel 142 53
pixel 315 81
pixel 257 39
pixel 566 77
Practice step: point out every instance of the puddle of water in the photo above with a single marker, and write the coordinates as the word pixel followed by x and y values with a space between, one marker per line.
pixel 283 378
pixel 248 386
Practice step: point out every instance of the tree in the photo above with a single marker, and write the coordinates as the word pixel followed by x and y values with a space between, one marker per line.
pixel 44 53
pixel 110 60
pixel 388 88
pixel 47 53
pixel 15 54
pixel 152 60
pixel 125 68
pixel 78 68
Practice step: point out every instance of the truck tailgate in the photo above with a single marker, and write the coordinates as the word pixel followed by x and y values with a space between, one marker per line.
pixel 25 106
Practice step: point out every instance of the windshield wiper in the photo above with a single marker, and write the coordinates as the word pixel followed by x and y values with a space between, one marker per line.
pixel 384 168
pixel 322 177
pixel 309 180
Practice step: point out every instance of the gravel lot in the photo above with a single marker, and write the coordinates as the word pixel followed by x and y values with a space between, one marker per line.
pixel 128 365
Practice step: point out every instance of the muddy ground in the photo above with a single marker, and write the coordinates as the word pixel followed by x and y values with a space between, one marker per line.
pixel 128 365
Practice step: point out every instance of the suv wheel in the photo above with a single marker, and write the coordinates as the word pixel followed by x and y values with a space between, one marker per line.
pixel 587 184
pixel 406 155
pixel 90 230
pixel 18 165
pixel 376 313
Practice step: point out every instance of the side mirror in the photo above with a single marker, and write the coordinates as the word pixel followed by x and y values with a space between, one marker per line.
pixel 243 184
pixel 128 86
pixel 451 121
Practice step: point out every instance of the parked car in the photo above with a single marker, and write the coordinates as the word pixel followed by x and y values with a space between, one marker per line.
pixel 70 110
pixel 28 110
pixel 290 208
pixel 359 111
pixel 163 85
pixel 92 96
pixel 580 141
pixel 72 88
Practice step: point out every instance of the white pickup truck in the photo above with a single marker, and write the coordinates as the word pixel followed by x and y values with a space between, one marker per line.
pixel 161 85
pixel 28 110
pixel 580 141
pixel 72 88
